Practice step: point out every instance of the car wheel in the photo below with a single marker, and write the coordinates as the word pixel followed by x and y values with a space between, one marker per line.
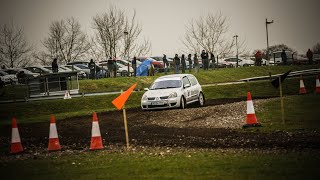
pixel 182 103
pixel 124 73
pixel 201 99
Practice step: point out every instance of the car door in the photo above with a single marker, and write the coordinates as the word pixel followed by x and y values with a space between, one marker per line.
pixel 194 89
pixel 186 88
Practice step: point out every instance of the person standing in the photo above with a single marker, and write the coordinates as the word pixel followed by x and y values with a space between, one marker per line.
pixel 196 63
pixel 114 67
pixel 258 58
pixel 284 57
pixel 165 63
pixel 310 56
pixel 183 63
pixel 91 66
pixel 190 62
pixel 176 63
pixel 213 59
pixel 110 67
pixel 134 66
pixel 54 65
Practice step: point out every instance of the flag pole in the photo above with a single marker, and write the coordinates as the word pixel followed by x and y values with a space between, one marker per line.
pixel 125 124
pixel 281 99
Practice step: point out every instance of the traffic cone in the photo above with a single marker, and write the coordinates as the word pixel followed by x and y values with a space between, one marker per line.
pixel 96 140
pixel 54 143
pixel 318 84
pixel 16 146
pixel 251 116
pixel 302 88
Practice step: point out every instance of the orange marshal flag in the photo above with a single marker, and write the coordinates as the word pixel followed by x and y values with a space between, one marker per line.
pixel 121 100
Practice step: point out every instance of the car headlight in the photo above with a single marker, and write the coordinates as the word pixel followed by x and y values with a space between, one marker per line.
pixel 144 97
pixel 173 95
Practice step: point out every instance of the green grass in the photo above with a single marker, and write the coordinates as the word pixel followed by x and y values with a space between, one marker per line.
pixel 226 164
pixel 204 77
pixel 300 113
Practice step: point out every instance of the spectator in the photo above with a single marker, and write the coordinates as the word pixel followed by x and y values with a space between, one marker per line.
pixel 284 57
pixel 196 63
pixel 22 77
pixel 176 61
pixel 151 70
pixel 165 63
pixel 258 57
pixel 92 67
pixel 115 67
pixel 190 62
pixel 310 56
pixel 110 67
pixel 134 66
pixel 204 57
pixel 183 63
pixel 213 59
pixel 54 65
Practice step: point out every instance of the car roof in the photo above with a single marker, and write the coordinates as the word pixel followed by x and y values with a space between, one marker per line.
pixel 174 76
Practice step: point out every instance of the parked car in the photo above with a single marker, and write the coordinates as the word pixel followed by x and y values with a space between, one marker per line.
pixel 38 69
pixel 15 71
pixel 158 66
pixel 122 70
pixel 241 61
pixel 84 67
pixel 8 78
pixel 173 91
pixel 264 62
pixel 81 73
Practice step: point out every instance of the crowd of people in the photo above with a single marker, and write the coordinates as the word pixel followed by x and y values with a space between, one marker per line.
pixel 181 62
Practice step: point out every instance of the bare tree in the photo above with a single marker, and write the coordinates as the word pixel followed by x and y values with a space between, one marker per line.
pixel 316 48
pixel 14 49
pixel 118 35
pixel 210 33
pixel 66 42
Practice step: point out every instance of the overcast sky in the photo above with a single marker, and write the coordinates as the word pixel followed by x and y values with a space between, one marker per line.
pixel 296 22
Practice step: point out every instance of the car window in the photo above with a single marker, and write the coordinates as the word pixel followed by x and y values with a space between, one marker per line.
pixel 185 81
pixel 193 81
pixel 165 84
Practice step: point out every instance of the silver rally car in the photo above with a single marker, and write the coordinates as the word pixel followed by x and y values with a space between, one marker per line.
pixel 173 91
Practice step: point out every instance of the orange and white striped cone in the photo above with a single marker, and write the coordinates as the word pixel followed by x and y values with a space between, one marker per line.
pixel 318 84
pixel 251 116
pixel 54 143
pixel 96 140
pixel 302 88
pixel 16 146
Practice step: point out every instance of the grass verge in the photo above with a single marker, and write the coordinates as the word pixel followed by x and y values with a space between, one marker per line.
pixel 221 164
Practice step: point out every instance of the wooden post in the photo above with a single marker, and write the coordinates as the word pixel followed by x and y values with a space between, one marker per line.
pixel 125 124
pixel 281 99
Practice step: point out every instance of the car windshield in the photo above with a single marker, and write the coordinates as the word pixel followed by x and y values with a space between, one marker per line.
pixel 166 84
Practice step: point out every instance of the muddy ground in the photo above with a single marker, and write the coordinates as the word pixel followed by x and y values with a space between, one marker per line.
pixel 214 126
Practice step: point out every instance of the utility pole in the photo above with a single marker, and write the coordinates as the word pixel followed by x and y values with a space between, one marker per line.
pixel 268 22
pixel 237 56
pixel 126 33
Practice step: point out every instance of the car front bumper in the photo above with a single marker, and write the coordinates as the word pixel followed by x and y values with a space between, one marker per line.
pixel 160 104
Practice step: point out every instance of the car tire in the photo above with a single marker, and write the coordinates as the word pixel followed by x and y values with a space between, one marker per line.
pixel 201 99
pixel 182 103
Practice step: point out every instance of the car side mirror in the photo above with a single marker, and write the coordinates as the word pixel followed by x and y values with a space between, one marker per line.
pixel 146 89
pixel 186 85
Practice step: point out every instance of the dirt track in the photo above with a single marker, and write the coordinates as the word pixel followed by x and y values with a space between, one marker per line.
pixel 213 126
